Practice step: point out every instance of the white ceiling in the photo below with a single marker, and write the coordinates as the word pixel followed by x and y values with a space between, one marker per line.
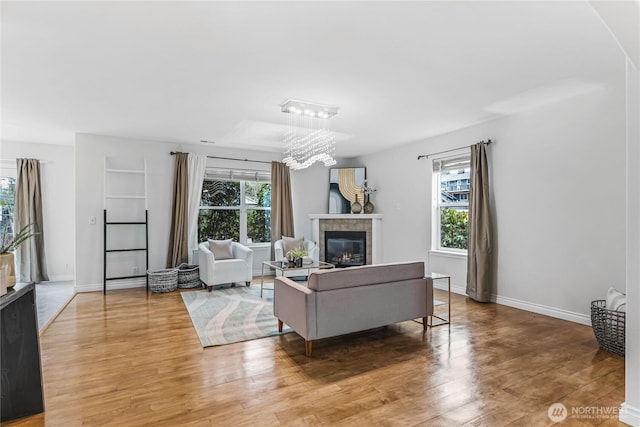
pixel 187 71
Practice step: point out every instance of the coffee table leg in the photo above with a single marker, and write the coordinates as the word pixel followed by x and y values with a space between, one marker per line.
pixel 261 280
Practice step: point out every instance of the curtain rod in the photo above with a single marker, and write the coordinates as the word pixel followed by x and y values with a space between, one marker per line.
pixel 14 160
pixel 230 158
pixel 487 142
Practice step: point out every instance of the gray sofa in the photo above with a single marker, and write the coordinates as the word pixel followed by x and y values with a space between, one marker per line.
pixel 341 301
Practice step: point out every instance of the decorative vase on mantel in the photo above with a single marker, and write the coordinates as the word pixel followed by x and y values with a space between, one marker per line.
pixel 356 207
pixel 7 269
pixel 368 206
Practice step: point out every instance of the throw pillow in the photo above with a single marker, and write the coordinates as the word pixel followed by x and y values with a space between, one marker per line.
pixel 616 300
pixel 221 249
pixel 290 243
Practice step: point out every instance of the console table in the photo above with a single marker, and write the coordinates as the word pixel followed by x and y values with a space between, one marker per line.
pixel 21 384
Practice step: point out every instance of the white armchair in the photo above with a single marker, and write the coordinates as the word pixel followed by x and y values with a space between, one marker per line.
pixel 217 272
pixel 313 253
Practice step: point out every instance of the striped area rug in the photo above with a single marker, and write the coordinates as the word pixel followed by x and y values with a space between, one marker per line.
pixel 229 315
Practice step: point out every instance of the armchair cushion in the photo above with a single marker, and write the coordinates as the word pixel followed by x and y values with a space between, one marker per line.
pixel 291 243
pixel 221 249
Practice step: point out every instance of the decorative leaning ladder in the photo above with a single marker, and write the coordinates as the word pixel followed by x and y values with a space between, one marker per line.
pixel 109 172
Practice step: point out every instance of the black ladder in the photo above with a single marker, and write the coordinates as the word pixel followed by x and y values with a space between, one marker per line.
pixel 107 251
pixel 125 197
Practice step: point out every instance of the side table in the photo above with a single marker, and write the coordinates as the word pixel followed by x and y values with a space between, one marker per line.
pixel 442 320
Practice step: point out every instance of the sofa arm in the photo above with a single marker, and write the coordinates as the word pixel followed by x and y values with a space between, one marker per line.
pixel 278 250
pixel 205 261
pixel 294 305
pixel 429 302
pixel 241 252
pixel 314 251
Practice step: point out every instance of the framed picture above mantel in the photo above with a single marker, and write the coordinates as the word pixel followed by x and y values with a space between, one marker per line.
pixel 346 186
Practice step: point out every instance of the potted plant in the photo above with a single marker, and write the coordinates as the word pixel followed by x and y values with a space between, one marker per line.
pixel 8 243
pixel 296 256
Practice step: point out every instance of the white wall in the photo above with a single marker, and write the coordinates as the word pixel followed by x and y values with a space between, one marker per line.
pixel 558 196
pixel 631 406
pixel 90 153
pixel 58 198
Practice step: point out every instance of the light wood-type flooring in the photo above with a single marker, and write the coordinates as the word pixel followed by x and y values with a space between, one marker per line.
pixel 133 359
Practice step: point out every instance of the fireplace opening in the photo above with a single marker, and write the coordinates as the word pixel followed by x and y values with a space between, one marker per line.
pixel 345 248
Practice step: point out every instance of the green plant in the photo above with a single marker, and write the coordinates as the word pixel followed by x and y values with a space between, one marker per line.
pixel 10 242
pixel 296 253
pixel 454 228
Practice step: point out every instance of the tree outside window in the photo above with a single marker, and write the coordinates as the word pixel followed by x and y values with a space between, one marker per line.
pixel 7 199
pixel 238 210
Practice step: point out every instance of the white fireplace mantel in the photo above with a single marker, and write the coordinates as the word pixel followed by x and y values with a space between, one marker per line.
pixel 345 216
pixel 376 231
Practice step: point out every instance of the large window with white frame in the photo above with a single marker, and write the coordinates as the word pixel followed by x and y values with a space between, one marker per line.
pixel 236 206
pixel 451 178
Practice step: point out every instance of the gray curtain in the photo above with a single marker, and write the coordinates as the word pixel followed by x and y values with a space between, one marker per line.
pixel 179 233
pixel 30 257
pixel 281 204
pixel 479 250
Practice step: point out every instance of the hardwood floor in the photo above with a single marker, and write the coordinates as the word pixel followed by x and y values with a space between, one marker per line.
pixel 131 358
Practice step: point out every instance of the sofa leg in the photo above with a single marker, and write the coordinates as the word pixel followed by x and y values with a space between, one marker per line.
pixel 279 325
pixel 308 346
pixel 425 323
pixel 248 283
pixel 209 288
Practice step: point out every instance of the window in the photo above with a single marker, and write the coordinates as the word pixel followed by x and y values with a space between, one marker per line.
pixel 235 209
pixel 7 199
pixel 451 203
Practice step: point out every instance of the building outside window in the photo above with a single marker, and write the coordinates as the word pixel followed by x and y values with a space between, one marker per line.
pixel 238 209
pixel 451 203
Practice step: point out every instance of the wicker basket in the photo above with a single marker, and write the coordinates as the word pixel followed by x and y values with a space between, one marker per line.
pixel 188 276
pixel 163 280
pixel 608 327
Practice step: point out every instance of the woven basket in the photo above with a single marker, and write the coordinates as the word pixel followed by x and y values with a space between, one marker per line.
pixel 163 280
pixel 188 276
pixel 608 327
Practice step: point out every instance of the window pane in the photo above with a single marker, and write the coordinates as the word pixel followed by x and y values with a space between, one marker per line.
pixel 219 224
pixel 454 186
pixel 257 194
pixel 454 228
pixel 258 226
pixel 220 193
pixel 7 199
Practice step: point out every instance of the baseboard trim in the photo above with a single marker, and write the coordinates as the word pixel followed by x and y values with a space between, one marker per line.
pixel 61 277
pixel 112 284
pixel 546 310
pixel 629 415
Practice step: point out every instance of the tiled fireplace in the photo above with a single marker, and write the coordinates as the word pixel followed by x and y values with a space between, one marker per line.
pixel 369 225
pixel 345 248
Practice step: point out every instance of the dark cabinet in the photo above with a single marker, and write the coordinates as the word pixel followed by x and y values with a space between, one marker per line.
pixel 21 385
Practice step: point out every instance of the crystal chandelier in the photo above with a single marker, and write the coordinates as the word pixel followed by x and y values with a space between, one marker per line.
pixel 308 138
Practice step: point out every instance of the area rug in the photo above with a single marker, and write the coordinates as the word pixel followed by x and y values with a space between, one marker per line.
pixel 225 316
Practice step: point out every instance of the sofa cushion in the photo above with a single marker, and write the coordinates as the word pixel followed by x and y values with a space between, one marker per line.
pixel 326 280
pixel 221 249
